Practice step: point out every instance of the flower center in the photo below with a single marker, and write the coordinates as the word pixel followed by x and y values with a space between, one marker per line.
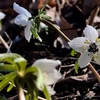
pixel 93 48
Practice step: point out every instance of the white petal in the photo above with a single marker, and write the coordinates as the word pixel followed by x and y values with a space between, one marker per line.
pixel 21 10
pixel 28 33
pixel 85 59
pixel 90 33
pixel 51 78
pixel 2 15
pixel 97 57
pixel 78 44
pixel 47 65
pixel 50 90
pixel 21 20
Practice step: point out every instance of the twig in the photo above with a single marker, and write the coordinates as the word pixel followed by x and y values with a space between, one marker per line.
pixel 12 98
pixel 94 72
pixel 94 13
pixel 4 42
pixel 8 50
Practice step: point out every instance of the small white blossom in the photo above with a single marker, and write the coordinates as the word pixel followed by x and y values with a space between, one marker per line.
pixel 88 45
pixel 50 74
pixel 23 20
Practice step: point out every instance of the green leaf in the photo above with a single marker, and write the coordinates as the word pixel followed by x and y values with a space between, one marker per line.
pixel 76 67
pixel 45 91
pixel 33 23
pixel 7 67
pixel 42 12
pixel 37 23
pixel 31 69
pixel 1 75
pixel 45 17
pixel 28 96
pixel 73 53
pixel 21 62
pixel 10 86
pixel 6 79
pixel 2 98
pixel 8 58
pixel 38 73
pixel 35 91
pixel 38 26
pixel 35 34
pixel 32 89
pixel 9 55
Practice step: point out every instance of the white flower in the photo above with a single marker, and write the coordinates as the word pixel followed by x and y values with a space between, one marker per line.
pixel 2 15
pixel 88 45
pixel 23 19
pixel 50 74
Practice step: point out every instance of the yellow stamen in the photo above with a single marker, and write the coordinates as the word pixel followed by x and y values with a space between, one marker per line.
pixel 83 48
pixel 95 56
pixel 97 40
pixel 86 41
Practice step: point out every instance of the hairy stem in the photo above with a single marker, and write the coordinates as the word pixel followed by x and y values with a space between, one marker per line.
pixel 68 40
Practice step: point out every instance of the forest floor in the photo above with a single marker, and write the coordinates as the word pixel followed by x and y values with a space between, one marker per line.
pixel 73 86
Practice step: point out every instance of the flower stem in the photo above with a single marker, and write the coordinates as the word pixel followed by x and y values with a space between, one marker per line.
pixel 68 40
pixel 53 26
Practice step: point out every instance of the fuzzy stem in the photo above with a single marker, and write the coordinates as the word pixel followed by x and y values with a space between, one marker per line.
pixel 68 40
